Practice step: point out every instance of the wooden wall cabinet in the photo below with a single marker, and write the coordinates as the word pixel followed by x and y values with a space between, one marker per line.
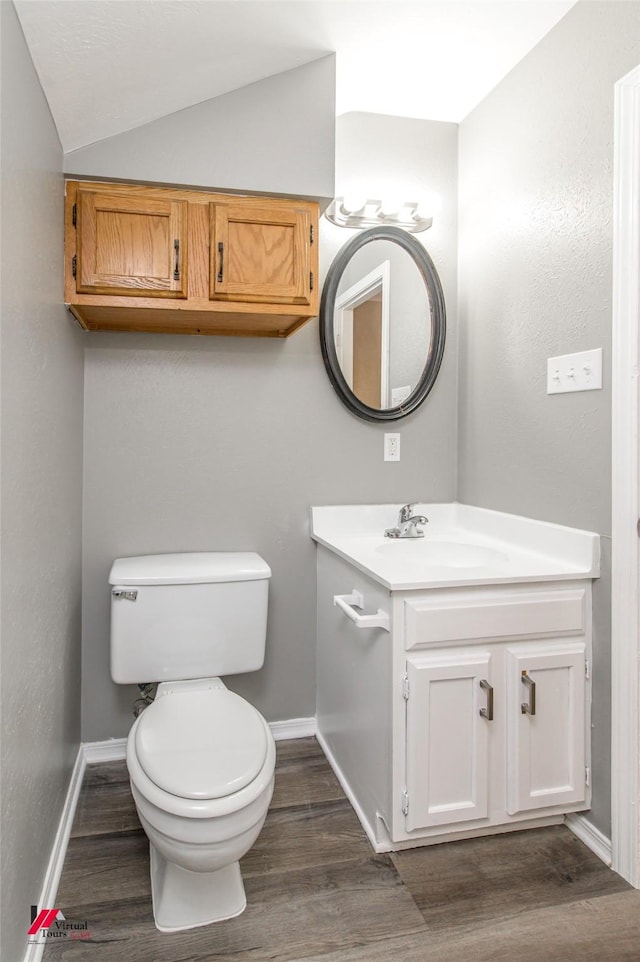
pixel 189 262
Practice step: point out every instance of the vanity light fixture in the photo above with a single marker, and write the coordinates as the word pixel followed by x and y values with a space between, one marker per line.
pixel 360 213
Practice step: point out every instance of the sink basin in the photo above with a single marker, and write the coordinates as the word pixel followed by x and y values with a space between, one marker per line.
pixel 449 554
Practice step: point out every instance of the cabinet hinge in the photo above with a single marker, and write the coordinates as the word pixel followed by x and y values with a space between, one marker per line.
pixel 587 670
pixel 311 234
pixel 405 802
pixel 74 264
pixel 310 280
pixel 587 777
pixel 405 687
pixel 74 214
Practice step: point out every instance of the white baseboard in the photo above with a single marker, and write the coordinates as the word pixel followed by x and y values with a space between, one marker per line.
pixel 294 728
pixel 592 837
pixel 49 890
pixel 111 750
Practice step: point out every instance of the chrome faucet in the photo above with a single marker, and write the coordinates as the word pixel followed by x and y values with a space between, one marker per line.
pixel 407 524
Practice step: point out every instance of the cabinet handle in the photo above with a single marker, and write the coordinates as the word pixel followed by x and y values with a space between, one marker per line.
pixel 347 603
pixel 176 263
pixel 529 708
pixel 221 263
pixel 488 711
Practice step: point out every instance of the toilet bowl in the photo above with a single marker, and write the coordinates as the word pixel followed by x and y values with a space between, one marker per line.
pixel 201 762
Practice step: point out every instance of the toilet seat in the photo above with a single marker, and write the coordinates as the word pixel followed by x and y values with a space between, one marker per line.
pixel 198 808
pixel 203 744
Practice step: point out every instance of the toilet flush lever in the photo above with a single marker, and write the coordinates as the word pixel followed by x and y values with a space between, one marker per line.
pixel 125 594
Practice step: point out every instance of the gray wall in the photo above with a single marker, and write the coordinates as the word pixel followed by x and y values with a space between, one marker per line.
pixel 41 493
pixel 275 136
pixel 535 282
pixel 225 443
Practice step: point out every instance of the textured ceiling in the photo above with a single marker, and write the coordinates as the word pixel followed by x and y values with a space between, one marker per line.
pixel 107 66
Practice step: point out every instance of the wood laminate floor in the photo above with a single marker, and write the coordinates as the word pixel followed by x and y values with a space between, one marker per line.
pixel 317 892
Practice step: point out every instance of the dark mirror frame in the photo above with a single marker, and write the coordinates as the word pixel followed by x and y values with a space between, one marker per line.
pixel 437 321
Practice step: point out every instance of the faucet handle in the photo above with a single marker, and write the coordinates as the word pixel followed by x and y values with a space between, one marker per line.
pixel 406 511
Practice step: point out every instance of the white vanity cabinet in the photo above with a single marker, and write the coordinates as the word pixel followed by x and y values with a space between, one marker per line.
pixel 467 713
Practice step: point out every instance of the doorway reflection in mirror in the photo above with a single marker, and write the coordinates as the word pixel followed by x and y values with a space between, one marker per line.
pixel 382 340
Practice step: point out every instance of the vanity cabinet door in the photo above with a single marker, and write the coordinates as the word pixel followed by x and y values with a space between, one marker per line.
pixel 262 253
pixel 449 721
pixel 130 243
pixel 546 745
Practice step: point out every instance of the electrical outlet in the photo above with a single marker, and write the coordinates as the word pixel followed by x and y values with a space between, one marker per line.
pixel 392 447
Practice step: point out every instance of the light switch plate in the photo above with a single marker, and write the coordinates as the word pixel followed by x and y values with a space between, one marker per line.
pixel 575 372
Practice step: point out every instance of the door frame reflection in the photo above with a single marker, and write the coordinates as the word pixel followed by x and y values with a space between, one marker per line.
pixel 374 285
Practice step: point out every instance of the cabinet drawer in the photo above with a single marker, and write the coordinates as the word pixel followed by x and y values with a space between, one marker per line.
pixel 439 618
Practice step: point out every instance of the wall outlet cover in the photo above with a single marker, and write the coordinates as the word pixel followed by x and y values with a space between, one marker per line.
pixel 392 447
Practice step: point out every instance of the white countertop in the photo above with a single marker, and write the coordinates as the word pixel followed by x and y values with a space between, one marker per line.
pixel 463 545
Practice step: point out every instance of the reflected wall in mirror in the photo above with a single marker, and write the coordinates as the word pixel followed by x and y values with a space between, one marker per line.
pixel 382 324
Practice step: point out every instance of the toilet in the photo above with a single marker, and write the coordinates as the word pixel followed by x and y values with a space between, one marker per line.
pixel 201 759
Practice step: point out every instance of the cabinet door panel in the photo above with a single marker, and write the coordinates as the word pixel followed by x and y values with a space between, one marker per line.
pixel 260 254
pixel 447 739
pixel 545 750
pixel 131 244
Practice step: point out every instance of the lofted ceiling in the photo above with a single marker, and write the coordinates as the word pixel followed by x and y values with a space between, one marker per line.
pixel 107 66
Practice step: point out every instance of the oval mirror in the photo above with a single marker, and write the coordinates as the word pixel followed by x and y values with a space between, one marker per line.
pixel 382 324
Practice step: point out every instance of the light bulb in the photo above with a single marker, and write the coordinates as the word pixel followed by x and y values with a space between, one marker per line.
pixel 352 203
pixel 390 206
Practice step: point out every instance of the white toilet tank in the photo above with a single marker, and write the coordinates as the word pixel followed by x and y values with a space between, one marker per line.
pixel 191 615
